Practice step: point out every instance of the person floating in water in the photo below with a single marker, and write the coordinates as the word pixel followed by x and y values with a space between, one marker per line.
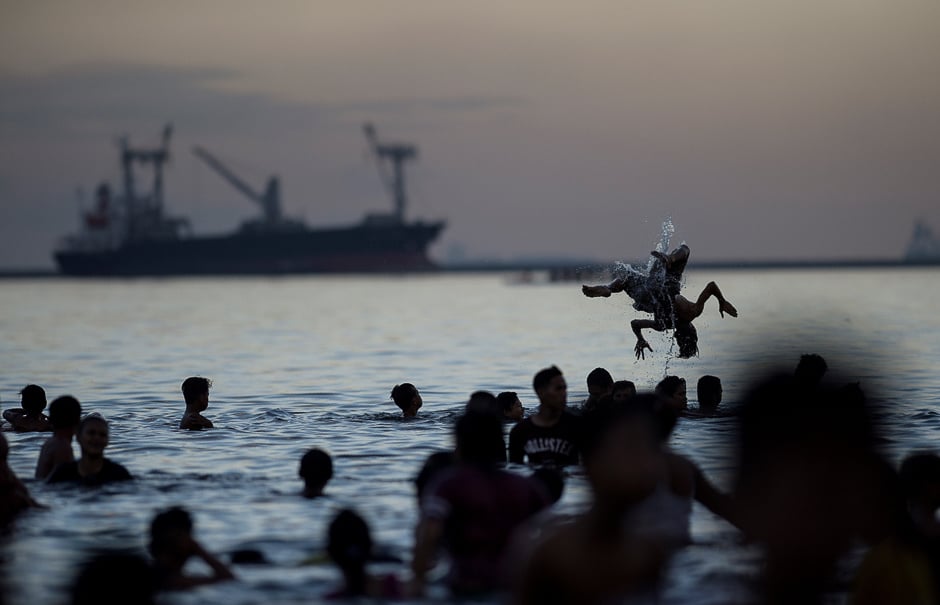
pixel 658 294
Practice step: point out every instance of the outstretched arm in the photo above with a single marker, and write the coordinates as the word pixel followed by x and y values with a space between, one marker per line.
pixel 637 325
pixel 723 305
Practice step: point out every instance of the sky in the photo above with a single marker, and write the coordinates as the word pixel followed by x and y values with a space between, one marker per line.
pixel 765 130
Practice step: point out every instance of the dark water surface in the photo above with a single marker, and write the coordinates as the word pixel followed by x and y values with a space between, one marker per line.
pixel 309 362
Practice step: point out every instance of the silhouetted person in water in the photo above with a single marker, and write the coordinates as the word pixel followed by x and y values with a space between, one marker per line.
pixel 658 294
pixel 808 480
pixel 407 398
pixel 672 391
pixel 196 393
pixel 172 545
pixel 29 417
pixel 64 414
pixel 709 394
pixel 316 469
pixel 810 370
pixel 92 468
pixel 599 384
pixel 623 390
pixel 14 497
pixel 551 435
pixel 349 545
pixel 511 406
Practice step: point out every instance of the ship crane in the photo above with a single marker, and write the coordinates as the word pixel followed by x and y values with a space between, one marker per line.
pixel 396 154
pixel 270 200
pixel 158 157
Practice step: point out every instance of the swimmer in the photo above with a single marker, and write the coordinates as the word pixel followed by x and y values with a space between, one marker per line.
pixel 407 398
pixel 709 395
pixel 29 417
pixel 623 390
pixel 552 434
pixel 349 545
pixel 196 393
pixel 316 469
pixel 172 545
pixel 599 384
pixel 672 392
pixel 658 294
pixel 64 414
pixel 92 468
pixel 511 406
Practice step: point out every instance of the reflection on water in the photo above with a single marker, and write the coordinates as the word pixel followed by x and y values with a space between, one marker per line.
pixel 309 362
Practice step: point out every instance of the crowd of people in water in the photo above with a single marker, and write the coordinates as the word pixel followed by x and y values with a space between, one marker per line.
pixel 810 485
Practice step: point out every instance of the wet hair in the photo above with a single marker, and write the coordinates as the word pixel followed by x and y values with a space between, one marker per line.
pixel 708 385
pixel 622 385
pixel 403 393
pixel 485 402
pixel 543 377
pixel 506 400
pixel 316 468
pixel 33 399
pixel 668 386
pixel 349 545
pixel 114 578
pixel 600 377
pixel 195 386
pixel 479 439
pixel 435 463
pixel 810 369
pixel 551 480
pixel 65 411
pixel 687 338
pixel 165 525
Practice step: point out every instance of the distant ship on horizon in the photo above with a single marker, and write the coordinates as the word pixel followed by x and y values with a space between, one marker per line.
pixel 131 235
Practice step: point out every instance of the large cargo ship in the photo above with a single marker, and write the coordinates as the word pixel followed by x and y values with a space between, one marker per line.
pixel 130 235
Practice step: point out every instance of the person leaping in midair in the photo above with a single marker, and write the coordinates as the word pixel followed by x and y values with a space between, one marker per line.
pixel 658 294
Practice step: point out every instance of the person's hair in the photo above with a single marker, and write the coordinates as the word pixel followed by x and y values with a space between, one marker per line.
pixel 810 369
pixel 485 402
pixel 687 338
pixel 403 393
pixel 707 385
pixel 316 468
pixel 543 377
pixel 114 578
pixel 435 463
pixel 349 545
pixel 622 385
pixel 165 525
pixel 195 386
pixel 33 399
pixel 479 438
pixel 600 377
pixel 506 400
pixel 65 411
pixel 668 386
pixel 551 480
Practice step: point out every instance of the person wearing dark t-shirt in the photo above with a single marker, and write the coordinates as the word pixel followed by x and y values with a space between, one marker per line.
pixel 92 468
pixel 551 435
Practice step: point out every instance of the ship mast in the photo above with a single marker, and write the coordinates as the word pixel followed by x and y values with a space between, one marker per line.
pixel 269 201
pixel 396 154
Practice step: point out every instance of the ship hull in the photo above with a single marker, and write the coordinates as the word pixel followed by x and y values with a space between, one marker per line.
pixel 359 249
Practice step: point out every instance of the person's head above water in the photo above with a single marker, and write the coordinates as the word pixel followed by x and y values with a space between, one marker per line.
pixel 169 531
pixel 510 405
pixel 810 369
pixel 550 386
pixel 622 390
pixel 672 391
pixel 407 398
pixel 484 402
pixel 93 435
pixel 33 399
pixel 316 469
pixel 65 412
pixel 196 392
pixel 599 383
pixel 687 338
pixel 349 545
pixel 709 393
pixel 479 439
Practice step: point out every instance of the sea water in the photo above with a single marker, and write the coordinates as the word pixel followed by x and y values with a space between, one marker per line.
pixel 309 362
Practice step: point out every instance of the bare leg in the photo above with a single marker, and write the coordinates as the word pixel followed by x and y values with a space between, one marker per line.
pixel 723 305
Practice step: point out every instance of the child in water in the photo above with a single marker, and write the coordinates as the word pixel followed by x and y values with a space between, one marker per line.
pixel 408 399
pixel 349 545
pixel 64 414
pixel 196 393
pixel 29 417
pixel 172 545
pixel 316 469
